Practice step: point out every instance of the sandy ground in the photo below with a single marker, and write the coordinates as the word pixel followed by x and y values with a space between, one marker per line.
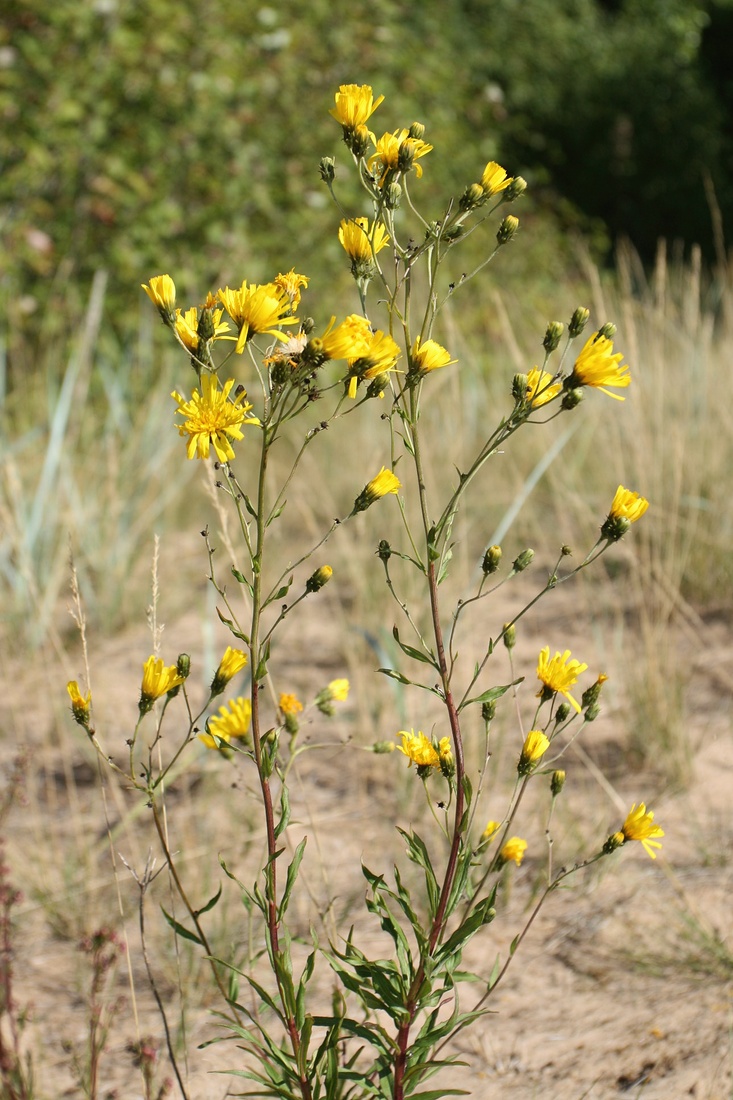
pixel 623 986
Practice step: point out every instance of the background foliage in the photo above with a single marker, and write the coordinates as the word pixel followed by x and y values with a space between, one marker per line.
pixel 138 137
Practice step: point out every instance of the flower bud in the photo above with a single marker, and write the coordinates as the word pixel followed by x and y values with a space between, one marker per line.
pixel 492 560
pixel 183 664
pixel 536 744
pixel 566 551
pixel 510 635
pixel 591 694
pixel 377 386
pixel 472 197
pixel 557 782
pixel 317 580
pixel 520 384
pixel 562 713
pixel 453 233
pixel 359 140
pixel 507 229
pixel 578 321
pixel 554 331
pixel 521 562
pixel 516 188
pixel 417 130
pixel 80 704
pixel 231 663
pixel 572 399
pixel 280 372
pixel 381 747
pixel 608 330
pixel 614 841
pixel 327 168
pixel 592 712
pixel 384 550
pixel 392 196
pixel 488 711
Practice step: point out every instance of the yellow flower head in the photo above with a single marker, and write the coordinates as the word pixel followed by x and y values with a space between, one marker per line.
pixel 80 704
pixel 187 323
pixel 558 675
pixel 447 761
pixel 428 356
pixel 290 284
pixel 398 152
pixel 418 749
pixel 257 308
pixel 348 340
pixel 494 179
pixel 378 358
pixel 491 828
pixel 212 419
pixel 290 704
pixel 540 388
pixel 339 690
pixel 639 825
pixel 157 681
pixel 536 744
pixel 233 722
pixel 626 508
pixel 597 366
pixel 513 849
pixel 355 103
pixel 361 242
pixel 231 663
pixel 385 482
pixel 161 290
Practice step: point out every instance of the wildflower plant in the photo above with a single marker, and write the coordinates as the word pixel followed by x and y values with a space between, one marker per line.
pixel 252 379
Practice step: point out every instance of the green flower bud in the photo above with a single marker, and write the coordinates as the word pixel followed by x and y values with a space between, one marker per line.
pixel 327 168
pixel 417 130
pixel 510 635
pixel 516 188
pixel 183 665
pixel 507 229
pixel 381 747
pixel 608 330
pixel 554 331
pixel 492 560
pixel 520 383
pixel 521 562
pixel 392 196
pixel 488 710
pixel 572 399
pixel 472 197
pixel 280 372
pixel 557 782
pixel 562 714
pixel 384 550
pixel 317 580
pixel 578 321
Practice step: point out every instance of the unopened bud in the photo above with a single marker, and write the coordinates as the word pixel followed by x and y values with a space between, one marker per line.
pixel 516 188
pixel 578 321
pixel 378 385
pixel 492 560
pixel 488 710
pixel 608 330
pixel 510 635
pixel 183 665
pixel 520 383
pixel 592 712
pixel 572 399
pixel 380 747
pixel 592 694
pixel 472 197
pixel 359 141
pixel 557 782
pixel 522 560
pixel 566 551
pixel 317 580
pixel 392 196
pixel 307 325
pixel 417 130
pixel 562 713
pixel 280 372
pixel 507 229
pixel 384 550
pixel 327 168
pixel 554 331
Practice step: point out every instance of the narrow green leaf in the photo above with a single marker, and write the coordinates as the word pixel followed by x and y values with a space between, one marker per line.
pixel 292 876
pixel 180 930
pixel 395 675
pixel 248 505
pixel 209 904
pixel 284 821
pixel 239 576
pixel 443 571
pixel 492 694
pixel 416 654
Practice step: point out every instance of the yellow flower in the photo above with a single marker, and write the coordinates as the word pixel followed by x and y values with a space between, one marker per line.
pixel 596 366
pixel 318 578
pixel 418 749
pixel 348 340
pixel 513 849
pixel 80 704
pixel 233 722
pixel 339 690
pixel 211 419
pixel 491 828
pixel 536 744
pixel 540 388
pixel 187 327
pixel 494 179
pixel 447 762
pixel 291 284
pixel 398 152
pixel 428 356
pixel 355 104
pixel 231 663
pixel 639 825
pixel 360 242
pixel 257 308
pixel 378 358
pixel 558 675
pixel 161 290
pixel 290 704
pixel 385 482
pixel 157 680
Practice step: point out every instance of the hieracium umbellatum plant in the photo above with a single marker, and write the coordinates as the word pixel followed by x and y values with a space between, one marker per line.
pixel 258 363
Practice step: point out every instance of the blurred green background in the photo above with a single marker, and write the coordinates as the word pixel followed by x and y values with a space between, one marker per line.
pixel 145 137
